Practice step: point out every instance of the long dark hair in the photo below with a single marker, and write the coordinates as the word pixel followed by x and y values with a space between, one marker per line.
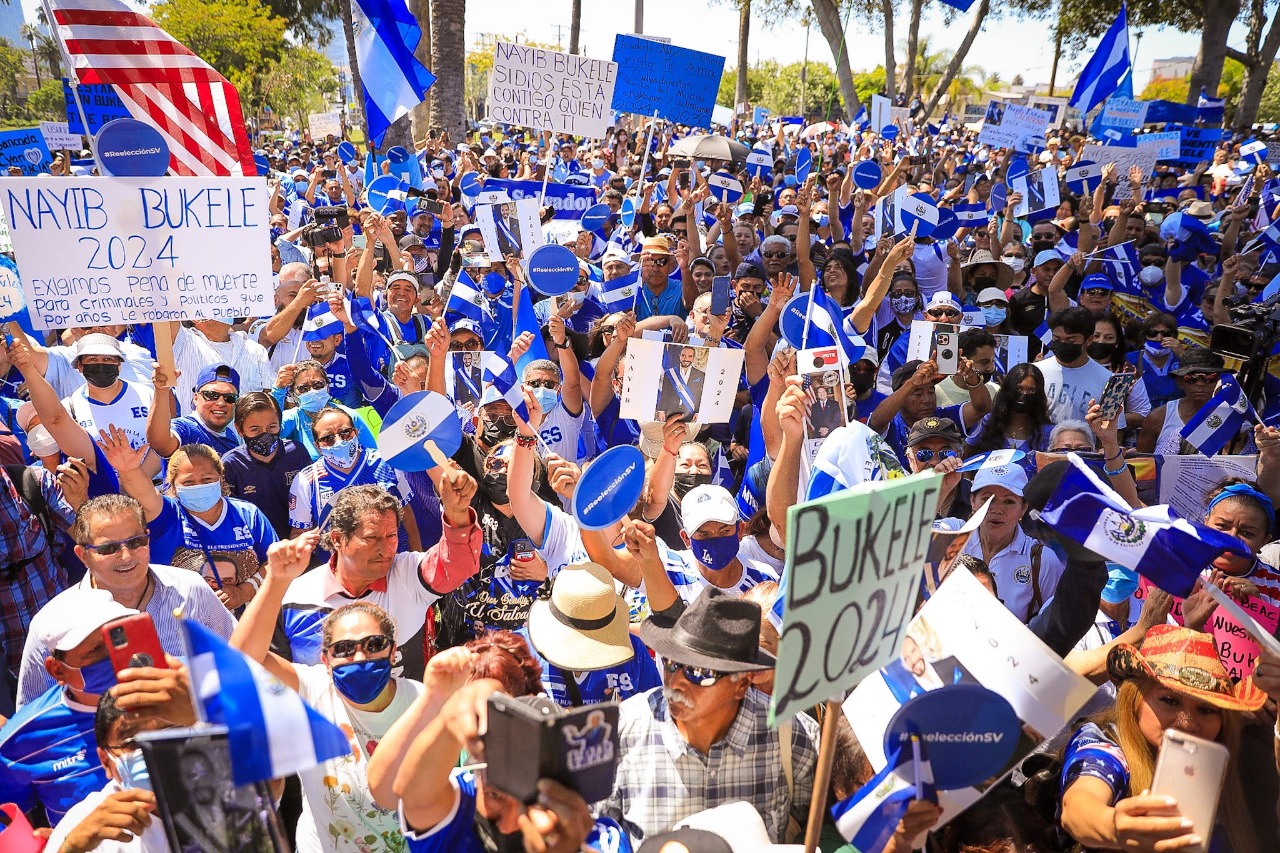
pixel 852 291
pixel 1118 359
pixel 993 433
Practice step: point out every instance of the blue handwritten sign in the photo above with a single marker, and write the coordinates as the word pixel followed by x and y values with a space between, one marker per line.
pixel 1199 143
pixel 101 105
pixel 568 202
pixel 24 149
pixel 677 83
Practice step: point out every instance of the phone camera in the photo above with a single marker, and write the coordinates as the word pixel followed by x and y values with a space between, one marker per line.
pixel 118 637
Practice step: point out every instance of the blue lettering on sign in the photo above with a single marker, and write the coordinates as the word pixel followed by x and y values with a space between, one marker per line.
pixel 210 207
pixel 101 105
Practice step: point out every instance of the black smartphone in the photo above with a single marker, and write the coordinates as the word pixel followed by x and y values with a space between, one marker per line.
pixel 579 748
pixel 721 293
pixel 328 173
pixel 522 549
pixel 432 206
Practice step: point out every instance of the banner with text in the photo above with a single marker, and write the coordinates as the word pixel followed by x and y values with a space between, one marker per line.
pixel 1124 113
pixel 24 150
pixel 1013 126
pixel 854 563
pixel 101 105
pixel 548 90
pixel 1167 145
pixel 1199 143
pixel 678 83
pixel 140 250
pixel 325 124
pixel 1143 158
pixel 569 202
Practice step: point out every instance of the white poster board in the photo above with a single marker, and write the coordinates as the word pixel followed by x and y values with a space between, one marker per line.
pixel 140 250
pixel 1143 158
pixel 1055 107
pixel 509 228
pixel 1185 480
pixel 1009 125
pixel 325 124
pixel 549 90
pixel 6 241
pixel 881 112
pixel 57 137
pixel 661 380
pixel 1039 190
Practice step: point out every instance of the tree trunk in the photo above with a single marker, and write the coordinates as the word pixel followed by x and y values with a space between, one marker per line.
pixel 828 15
pixel 575 25
pixel 913 47
pixel 890 68
pixel 957 61
pixel 744 32
pixel 448 63
pixel 1206 72
pixel 357 85
pixel 1255 77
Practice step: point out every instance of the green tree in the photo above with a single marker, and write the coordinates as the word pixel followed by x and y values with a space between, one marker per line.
pixel 11 62
pixel 304 81
pixel 240 38
pixel 48 103
pixel 48 52
pixel 1269 106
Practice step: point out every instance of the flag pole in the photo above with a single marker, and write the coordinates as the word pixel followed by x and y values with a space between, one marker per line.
pixel 648 143
pixel 822 777
pixel 73 79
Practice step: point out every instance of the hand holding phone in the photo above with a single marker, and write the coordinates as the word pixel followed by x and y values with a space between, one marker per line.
pixel 1191 770
pixel 133 642
pixel 721 291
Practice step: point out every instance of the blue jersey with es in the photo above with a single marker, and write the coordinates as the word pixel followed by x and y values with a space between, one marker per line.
pixel 605 685
pixel 342 385
pixel 241 527
pixel 48 755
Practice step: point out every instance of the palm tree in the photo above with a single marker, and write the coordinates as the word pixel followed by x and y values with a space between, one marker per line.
pixel 50 54
pixel 575 25
pixel 448 63
pixel 31 33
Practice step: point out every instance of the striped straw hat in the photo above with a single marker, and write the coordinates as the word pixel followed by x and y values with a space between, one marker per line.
pixel 1184 661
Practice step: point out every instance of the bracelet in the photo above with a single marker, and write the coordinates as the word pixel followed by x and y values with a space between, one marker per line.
pixel 1119 453
pixel 528 442
pixel 974 385
pixel 564 345
pixel 673 453
pixel 1116 472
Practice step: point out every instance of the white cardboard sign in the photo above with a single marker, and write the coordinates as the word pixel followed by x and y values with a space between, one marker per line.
pixel 549 90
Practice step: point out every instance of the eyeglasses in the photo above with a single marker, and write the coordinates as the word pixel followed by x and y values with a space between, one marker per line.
pixel 370 645
pixel 924 454
pixel 698 676
pixel 464 346
pixel 501 417
pixel 608 330
pixel 106 549
pixel 549 384
pixel 346 434
pixel 215 396
pixel 993 303
pixel 942 312
pixel 1072 449
pixel 903 294
pixel 1095 291
pixel 1200 378
pixel 1160 333
pixel 318 385
pixel 774 255
pixel 658 260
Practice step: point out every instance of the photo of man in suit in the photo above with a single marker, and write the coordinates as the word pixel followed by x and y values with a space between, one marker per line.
pixel 467 378
pixel 824 412
pixel 680 391
pixel 506 223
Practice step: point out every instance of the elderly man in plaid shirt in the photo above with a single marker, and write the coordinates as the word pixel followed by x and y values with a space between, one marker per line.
pixel 703 738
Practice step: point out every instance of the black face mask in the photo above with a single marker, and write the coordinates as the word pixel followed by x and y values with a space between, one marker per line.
pixel 861 381
pixel 1022 402
pixel 263 444
pixel 1065 352
pixel 496 432
pixel 101 375
pixel 1101 351
pixel 495 487
pixel 1038 246
pixel 981 283
pixel 685 483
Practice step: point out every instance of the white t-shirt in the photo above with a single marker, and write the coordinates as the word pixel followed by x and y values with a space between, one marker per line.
pixel 561 542
pixel 128 411
pixel 152 839
pixel 932 263
pixel 1070 389
pixel 138 368
pixel 560 430
pixel 338 812
pixel 192 352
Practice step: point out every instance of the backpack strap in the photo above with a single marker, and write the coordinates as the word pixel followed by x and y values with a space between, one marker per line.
pixel 27 482
pixel 571 688
pixel 1037 596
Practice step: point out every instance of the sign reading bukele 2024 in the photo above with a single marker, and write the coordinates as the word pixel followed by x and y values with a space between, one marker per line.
pixel 140 250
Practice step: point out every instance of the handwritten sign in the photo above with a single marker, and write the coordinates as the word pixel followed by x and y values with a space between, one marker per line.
pixel 853 573
pixel 100 102
pixel 677 83
pixel 1237 650
pixel 549 90
pixel 1167 145
pixel 1124 113
pixel 25 150
pixel 1199 143
pixel 56 136
pixel 1143 158
pixel 1012 125
pixel 325 124
pixel 140 250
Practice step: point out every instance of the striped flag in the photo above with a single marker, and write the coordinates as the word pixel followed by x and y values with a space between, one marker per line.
pixel 272 732
pixel 321 323
pixel 619 294
pixel 1221 419
pixel 502 375
pixel 465 300
pixel 195 108
pixel 1106 68
pixel 868 818
pixel 1122 266
pixel 971 215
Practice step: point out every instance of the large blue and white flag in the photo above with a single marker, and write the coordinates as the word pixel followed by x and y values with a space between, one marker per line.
pixel 1107 68
pixel 386 35
pixel 1154 541
pixel 1221 419
pixel 973 215
pixel 868 818
pixel 1122 266
pixel 465 300
pixel 825 325
pixel 499 373
pixel 620 293
pixel 1210 110
pixel 272 732
pixel 365 316
pixel 321 323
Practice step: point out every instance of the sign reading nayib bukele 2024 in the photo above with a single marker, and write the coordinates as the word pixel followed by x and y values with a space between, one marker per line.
pixel 140 250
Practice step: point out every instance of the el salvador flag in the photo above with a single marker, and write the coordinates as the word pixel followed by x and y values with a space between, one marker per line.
pixel 464 300
pixel 1154 541
pixel 826 326
pixel 386 36
pixel 868 818
pixel 1122 264
pixel 620 293
pixel 499 372
pixel 972 215
pixel 1219 420
pixel 369 319
pixel 321 323
pixel 272 732
pixel 1107 68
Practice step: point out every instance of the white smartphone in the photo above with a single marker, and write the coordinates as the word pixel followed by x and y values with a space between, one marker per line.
pixel 1191 770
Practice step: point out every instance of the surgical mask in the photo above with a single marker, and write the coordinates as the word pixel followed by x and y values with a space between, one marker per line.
pixel 1066 352
pixel 98 677
pixel 40 442
pixel 547 398
pixel 823 220
pixel 343 453
pixel 1015 263
pixel 1155 347
pixel 362 681
pixel 597 163
pixel 200 498
pixel 132 770
pixel 101 375
pixel 1151 275
pixel 496 432
pixel 1155 218
pixel 314 400
pixel 789 180
pixel 904 304
pixel 717 552
pixel 577 297
pixel 1100 351
pixel 300 186
pixel 994 316
pixel 495 487
pixel 627 182
pixel 494 282
pixel 685 483
pixel 276 234
pixel 263 444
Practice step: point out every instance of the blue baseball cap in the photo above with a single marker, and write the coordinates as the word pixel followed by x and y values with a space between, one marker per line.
pixel 218 373
pixel 1098 280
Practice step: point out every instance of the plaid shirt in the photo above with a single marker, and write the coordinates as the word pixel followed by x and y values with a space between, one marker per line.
pixel 30 586
pixel 661 779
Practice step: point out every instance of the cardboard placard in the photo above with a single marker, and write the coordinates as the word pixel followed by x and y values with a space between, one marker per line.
pixel 549 90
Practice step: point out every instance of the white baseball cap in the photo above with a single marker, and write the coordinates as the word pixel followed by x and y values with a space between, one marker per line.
pixel 942 298
pixel 708 503
pixel 98 344
pixel 68 619
pixel 1011 477
pixel 737 823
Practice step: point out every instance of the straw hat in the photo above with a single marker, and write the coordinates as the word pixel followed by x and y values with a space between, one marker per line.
pixel 584 625
pixel 1186 662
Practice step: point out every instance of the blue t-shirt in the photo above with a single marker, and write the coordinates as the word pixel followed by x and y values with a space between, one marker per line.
pixel 241 536
pixel 605 685
pixel 191 430
pixel 669 302
pixel 48 755
pixel 342 384
pixel 266 484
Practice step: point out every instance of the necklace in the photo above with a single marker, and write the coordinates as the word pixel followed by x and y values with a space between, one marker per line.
pixel 146 588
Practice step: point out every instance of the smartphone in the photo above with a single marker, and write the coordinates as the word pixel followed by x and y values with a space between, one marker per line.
pixel 578 748
pixel 522 549
pixel 721 293
pixel 133 641
pixel 1191 770
pixel 946 348
pixel 432 206
pixel 328 173
pixel 1115 393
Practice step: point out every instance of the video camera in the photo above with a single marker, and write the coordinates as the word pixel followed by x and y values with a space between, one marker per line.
pixel 1251 336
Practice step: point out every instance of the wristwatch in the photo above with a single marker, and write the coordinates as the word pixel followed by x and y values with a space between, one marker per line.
pixel 564 345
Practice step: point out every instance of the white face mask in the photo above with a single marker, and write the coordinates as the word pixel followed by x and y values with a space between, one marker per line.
pixel 1016 264
pixel 597 164
pixel 1151 276
pixel 41 442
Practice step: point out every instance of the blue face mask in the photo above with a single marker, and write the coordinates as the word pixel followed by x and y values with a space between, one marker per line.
pixel 132 770
pixel 823 220
pixel 314 400
pixel 200 498
pixel 994 316
pixel 789 180
pixel 547 399
pixel 717 552
pixel 98 677
pixel 343 454
pixel 300 186
pixel 494 282
pixel 361 681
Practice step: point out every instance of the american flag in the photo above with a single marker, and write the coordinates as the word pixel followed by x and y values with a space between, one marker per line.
pixel 161 82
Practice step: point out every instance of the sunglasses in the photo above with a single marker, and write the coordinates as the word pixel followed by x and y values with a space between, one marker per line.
pixel 774 255
pixel 924 454
pixel 903 294
pixel 658 260
pixel 215 396
pixel 698 676
pixel 371 645
pixel 549 384
pixel 942 312
pixel 993 303
pixel 106 549
pixel 318 385
pixel 504 418
pixel 1200 378
pixel 1071 449
pixel 1095 291
pixel 1160 333
pixel 346 434
pixel 464 346
pixel 608 330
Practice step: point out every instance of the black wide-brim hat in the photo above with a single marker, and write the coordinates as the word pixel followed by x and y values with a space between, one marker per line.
pixel 718 632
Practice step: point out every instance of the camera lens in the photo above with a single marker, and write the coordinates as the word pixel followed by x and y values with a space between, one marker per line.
pixel 118 637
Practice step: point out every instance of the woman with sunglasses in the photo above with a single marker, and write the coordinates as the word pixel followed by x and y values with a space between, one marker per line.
pixel 195 525
pixel 306 386
pixel 1197 378
pixel 1157 362
pixel 1019 418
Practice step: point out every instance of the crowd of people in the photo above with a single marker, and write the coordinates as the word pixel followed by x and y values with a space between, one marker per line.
pixel 243 488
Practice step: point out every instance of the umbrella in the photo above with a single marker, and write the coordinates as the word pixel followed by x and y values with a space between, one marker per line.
pixel 819 128
pixel 709 146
